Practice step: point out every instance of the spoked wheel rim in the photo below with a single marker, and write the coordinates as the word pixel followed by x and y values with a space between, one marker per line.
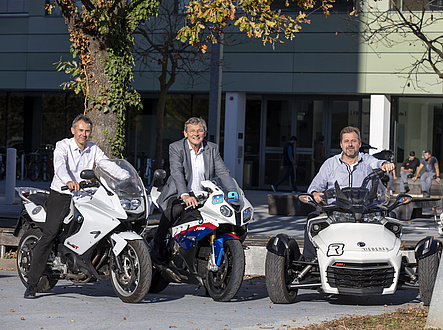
pixel 128 279
pixel 25 255
pixel 220 278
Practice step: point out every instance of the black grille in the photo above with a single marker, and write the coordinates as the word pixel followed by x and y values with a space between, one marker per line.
pixel 360 276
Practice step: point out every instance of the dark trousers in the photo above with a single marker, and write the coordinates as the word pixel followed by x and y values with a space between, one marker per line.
pixel 289 173
pixel 57 207
pixel 309 251
pixel 173 211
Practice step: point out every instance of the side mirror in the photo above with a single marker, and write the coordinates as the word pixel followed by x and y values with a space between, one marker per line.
pixel 159 174
pixel 88 175
pixel 402 199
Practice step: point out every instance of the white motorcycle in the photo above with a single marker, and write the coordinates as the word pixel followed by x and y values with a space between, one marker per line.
pixel 358 249
pixel 99 239
pixel 204 245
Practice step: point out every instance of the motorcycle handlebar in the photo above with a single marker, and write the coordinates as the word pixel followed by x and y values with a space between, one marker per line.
pixel 84 184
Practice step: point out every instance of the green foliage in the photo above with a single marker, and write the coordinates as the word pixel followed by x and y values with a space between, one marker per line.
pixel 112 24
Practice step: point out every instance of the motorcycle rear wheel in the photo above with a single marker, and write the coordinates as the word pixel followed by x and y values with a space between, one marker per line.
pixel 427 273
pixel 277 274
pixel 24 257
pixel 224 284
pixel 132 284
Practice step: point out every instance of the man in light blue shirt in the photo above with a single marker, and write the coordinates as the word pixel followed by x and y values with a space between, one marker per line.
pixel 349 169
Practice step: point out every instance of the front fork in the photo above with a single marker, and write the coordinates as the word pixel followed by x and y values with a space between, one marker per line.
pixel 217 247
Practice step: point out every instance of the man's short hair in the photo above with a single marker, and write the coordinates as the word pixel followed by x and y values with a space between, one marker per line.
pixel 428 152
pixel 82 118
pixel 196 121
pixel 293 138
pixel 412 153
pixel 350 129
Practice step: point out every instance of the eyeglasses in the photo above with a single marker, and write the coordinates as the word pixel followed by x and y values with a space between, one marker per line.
pixel 193 131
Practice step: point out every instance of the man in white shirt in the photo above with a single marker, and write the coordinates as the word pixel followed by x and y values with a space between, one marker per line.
pixel 192 160
pixel 71 156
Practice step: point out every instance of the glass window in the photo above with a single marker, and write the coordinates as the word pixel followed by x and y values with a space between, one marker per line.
pixel 309 123
pixel 278 123
pixel 344 113
pixel 14 6
pixel 417 5
pixel 420 122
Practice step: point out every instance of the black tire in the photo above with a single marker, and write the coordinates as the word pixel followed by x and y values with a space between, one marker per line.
pixel 278 275
pixel 158 283
pixel 224 284
pixel 132 285
pixel 34 171
pixel 427 273
pixel 24 257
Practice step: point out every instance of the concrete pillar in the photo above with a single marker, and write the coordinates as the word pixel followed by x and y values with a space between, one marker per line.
pixel 379 126
pixel 235 111
pixel 11 155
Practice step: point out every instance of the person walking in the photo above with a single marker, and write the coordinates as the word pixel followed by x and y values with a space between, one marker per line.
pixel 288 165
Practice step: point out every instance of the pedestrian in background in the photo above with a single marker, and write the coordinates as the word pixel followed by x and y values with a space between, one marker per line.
pixel 319 153
pixel 288 165
pixel 407 170
pixel 430 163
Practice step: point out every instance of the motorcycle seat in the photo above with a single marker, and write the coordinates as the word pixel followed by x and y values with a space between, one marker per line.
pixel 38 198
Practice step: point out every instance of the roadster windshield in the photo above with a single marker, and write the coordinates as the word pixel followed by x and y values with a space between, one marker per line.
pixel 370 194
pixel 120 177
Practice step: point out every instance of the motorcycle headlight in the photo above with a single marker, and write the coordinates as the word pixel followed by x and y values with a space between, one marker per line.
pixel 225 211
pixel 130 204
pixel 247 214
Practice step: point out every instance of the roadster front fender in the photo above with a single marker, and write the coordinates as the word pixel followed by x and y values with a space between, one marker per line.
pixel 426 247
pixel 278 245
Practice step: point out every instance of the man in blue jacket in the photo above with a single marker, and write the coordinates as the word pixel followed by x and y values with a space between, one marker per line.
pixel 349 168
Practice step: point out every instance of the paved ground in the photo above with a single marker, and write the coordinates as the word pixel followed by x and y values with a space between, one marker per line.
pixel 95 306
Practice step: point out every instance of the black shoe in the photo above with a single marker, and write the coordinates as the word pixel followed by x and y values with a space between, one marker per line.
pixel 30 292
pixel 407 188
pixel 426 194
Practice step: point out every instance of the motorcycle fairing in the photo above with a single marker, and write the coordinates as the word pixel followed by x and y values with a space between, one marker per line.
pixel 93 231
pixel 218 246
pixel 187 236
pixel 426 247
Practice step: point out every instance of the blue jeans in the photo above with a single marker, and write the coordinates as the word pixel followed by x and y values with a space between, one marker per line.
pixel 289 173
pixel 404 180
pixel 426 181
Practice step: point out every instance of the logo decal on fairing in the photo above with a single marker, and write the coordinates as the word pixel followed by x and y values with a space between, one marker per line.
pixel 335 249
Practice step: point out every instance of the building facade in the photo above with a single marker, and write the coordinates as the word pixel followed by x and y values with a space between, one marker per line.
pixel 309 87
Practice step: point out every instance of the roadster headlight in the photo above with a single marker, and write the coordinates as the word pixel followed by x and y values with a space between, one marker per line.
pixel 130 204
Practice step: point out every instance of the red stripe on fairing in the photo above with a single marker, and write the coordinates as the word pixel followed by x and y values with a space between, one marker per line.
pixel 207 225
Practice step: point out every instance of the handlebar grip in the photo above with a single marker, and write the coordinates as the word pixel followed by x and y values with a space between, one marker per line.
pixel 65 188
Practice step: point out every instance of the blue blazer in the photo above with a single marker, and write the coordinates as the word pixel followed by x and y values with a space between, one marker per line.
pixel 181 169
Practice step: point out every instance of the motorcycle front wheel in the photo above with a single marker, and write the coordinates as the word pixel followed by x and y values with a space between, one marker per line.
pixel 24 257
pixel 224 284
pixel 131 282
pixel 278 275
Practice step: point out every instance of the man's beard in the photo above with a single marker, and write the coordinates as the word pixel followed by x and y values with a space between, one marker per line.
pixel 351 155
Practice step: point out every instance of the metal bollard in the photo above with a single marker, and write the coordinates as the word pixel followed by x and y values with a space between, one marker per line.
pixel 11 161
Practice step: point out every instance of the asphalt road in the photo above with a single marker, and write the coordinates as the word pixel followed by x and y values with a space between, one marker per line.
pixel 95 306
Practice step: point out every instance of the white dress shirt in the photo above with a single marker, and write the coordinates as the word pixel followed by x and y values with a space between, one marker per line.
pixel 198 169
pixel 69 161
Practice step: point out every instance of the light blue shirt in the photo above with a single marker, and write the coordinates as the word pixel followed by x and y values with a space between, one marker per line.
pixel 335 169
